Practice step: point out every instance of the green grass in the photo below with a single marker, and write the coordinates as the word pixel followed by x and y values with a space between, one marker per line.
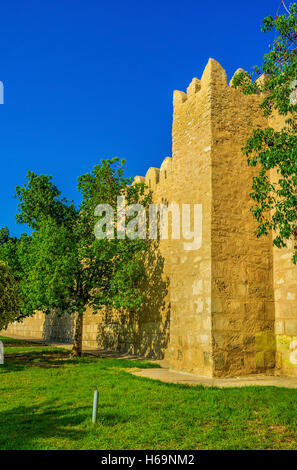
pixel 5 339
pixel 46 403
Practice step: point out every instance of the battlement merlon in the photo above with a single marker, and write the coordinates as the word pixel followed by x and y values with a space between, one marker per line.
pixel 214 78
pixel 214 75
pixel 155 175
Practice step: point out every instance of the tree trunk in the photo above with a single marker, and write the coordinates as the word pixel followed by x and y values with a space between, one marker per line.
pixel 78 333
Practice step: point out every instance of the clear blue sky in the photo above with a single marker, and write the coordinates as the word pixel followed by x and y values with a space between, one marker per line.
pixel 85 80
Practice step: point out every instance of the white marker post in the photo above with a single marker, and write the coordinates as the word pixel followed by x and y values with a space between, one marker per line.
pixel 1 353
pixel 95 406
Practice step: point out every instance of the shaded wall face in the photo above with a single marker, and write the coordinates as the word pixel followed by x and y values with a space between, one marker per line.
pixel 58 328
pixel 242 281
pixel 285 290
pixel 49 327
pixel 30 327
pixel 145 334
pixel 285 284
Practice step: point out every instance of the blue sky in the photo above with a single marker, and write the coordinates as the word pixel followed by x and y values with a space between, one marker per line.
pixel 85 80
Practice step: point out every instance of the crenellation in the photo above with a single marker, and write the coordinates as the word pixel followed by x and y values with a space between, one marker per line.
pixel 262 79
pixel 194 87
pixel 214 76
pixel 179 97
pixel 139 179
pixel 152 177
pixel 240 70
pixel 165 169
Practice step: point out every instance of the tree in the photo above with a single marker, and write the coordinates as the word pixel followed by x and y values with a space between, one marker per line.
pixel 275 199
pixel 64 267
pixel 9 250
pixel 40 199
pixel 10 302
pixel 37 200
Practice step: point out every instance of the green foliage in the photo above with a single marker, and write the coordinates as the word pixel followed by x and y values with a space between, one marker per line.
pixel 275 152
pixel 10 250
pixel 50 268
pixel 61 266
pixel 114 267
pixel 10 302
pixel 39 199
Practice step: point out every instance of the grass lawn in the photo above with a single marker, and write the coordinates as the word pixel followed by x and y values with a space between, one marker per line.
pixel 46 403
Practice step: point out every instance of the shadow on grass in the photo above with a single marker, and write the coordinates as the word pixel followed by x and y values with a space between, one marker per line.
pixel 55 358
pixel 23 426
pixel 7 339
pixel 45 359
pixel 22 343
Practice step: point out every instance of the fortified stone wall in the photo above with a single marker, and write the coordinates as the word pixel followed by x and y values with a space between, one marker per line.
pixel 228 307
pixel 285 296
pixel 242 284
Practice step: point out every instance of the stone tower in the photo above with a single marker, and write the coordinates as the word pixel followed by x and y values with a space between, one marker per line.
pixel 221 296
